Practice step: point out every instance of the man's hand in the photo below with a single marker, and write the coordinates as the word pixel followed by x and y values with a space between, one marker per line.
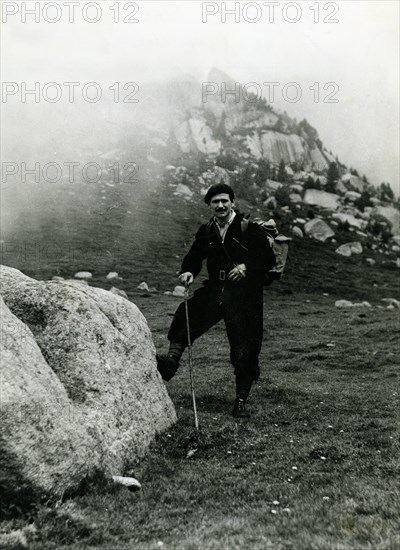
pixel 237 273
pixel 186 278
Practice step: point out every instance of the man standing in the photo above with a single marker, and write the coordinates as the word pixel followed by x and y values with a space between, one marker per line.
pixel 238 255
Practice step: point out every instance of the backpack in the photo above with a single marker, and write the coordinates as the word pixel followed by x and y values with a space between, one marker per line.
pixel 279 244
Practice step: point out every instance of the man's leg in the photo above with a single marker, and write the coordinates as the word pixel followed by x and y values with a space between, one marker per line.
pixel 205 310
pixel 244 324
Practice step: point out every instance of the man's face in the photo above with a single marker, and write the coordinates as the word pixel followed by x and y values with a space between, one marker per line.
pixel 221 206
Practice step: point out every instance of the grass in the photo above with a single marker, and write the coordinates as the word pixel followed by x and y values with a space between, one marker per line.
pixel 323 437
pixel 322 441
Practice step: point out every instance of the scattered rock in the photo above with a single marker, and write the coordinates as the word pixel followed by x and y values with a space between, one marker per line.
pixel 143 286
pixel 391 301
pixel 323 199
pixel 295 197
pixel 318 229
pixel 83 275
pixel 179 291
pixel 343 303
pixel 349 248
pixel 297 232
pixel 57 278
pixel 352 195
pixel 129 482
pixel 354 223
pixel 112 275
pixel 370 261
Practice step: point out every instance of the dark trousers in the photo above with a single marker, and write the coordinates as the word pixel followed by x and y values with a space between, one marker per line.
pixel 241 307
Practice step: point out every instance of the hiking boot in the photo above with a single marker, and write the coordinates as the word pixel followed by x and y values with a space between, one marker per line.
pixel 167 365
pixel 239 409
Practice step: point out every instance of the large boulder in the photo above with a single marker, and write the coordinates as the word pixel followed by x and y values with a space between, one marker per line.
pixel 392 215
pixel 318 229
pixel 323 199
pixel 80 390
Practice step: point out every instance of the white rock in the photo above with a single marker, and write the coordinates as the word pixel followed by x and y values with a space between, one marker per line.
pixel 295 197
pixel 353 222
pixel 343 303
pixel 370 261
pixel 112 275
pixel 395 248
pixel 56 278
pixel 352 195
pixel 75 393
pixel 318 230
pixel 297 232
pixel 143 286
pixel 392 215
pixel 83 275
pixel 323 199
pixel 392 301
pixel 300 221
pixel 349 248
pixel 179 291
pixel 128 482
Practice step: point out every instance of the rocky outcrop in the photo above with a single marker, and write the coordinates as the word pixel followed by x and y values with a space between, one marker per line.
pixel 80 391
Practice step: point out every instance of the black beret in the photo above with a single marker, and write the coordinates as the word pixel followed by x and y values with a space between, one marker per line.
pixel 217 189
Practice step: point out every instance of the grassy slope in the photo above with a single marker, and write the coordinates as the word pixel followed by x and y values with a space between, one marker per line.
pixel 313 401
pixel 223 496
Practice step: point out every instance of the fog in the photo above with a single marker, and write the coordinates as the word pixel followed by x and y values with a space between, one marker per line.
pixel 359 54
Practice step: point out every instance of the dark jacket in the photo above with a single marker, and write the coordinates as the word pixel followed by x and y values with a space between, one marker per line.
pixel 250 248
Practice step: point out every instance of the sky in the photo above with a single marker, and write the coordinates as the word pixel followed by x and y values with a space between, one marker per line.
pixel 358 55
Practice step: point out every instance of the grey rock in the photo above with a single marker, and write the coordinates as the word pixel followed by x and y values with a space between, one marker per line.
pixel 80 388
pixel 318 229
pixel 83 275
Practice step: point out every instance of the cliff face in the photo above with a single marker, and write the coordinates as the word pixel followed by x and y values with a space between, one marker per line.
pixel 208 123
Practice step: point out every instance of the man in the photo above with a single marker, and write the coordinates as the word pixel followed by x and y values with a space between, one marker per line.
pixel 237 260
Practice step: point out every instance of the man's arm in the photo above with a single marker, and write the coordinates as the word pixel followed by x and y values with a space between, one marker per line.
pixel 193 261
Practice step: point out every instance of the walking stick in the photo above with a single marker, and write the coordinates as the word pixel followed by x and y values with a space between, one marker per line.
pixel 196 420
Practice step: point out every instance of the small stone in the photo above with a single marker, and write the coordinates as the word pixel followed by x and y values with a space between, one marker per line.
pixel 128 482
pixel 325 498
pixel 294 468
pixel 274 512
pixel 179 291
pixel 275 502
pixel 112 275
pixel 323 457
pixel 191 453
pixel 343 303
pixel 143 286
pixel 330 427
pixel 286 510
pixel 83 275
